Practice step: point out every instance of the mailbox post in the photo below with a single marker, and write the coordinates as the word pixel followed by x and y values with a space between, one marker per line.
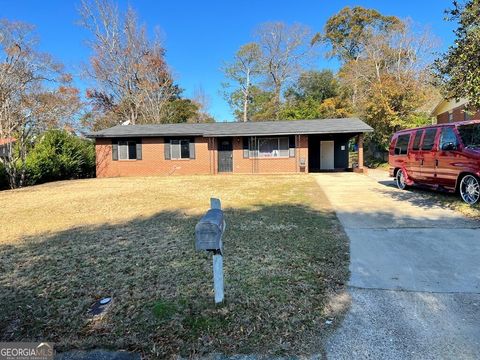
pixel 208 237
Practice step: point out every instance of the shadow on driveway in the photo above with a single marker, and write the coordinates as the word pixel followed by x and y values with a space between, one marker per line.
pixel 419 195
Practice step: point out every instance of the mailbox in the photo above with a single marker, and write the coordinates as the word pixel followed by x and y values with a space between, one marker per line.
pixel 209 231
pixel 208 236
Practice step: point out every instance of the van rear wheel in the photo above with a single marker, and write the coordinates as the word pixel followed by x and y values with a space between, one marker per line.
pixel 470 189
pixel 400 179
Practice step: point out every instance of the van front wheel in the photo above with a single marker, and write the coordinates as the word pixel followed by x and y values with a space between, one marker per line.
pixel 470 189
pixel 400 179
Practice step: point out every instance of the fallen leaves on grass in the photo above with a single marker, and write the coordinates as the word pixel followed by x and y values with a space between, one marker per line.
pixel 133 240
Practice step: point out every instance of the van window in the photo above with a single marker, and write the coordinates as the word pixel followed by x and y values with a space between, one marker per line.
pixel 470 135
pixel 429 139
pixel 416 141
pixel 401 148
pixel 448 137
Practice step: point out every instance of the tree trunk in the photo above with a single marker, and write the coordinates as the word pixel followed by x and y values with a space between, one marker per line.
pixel 12 175
pixel 22 176
pixel 246 95
pixel 354 94
pixel 276 100
pixel 132 116
pixel 23 159
pixel 245 107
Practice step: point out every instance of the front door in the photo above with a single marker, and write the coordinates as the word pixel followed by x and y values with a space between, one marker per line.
pixel 327 155
pixel 225 155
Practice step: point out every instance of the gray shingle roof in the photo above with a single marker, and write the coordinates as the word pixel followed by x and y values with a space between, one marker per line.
pixel 291 127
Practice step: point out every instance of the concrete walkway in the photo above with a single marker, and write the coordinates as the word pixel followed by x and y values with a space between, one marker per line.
pixel 415 274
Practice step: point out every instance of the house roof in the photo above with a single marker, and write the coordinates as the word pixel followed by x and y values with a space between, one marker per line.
pixel 261 128
pixel 7 141
pixel 445 105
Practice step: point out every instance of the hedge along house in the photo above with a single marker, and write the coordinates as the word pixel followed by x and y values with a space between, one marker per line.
pixel 237 147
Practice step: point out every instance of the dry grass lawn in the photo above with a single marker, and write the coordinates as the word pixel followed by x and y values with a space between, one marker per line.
pixel 65 245
pixel 449 200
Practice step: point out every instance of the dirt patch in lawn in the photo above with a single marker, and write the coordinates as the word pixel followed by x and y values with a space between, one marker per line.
pixel 65 245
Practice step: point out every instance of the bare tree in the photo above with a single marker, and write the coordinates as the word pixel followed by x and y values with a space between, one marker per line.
pixel 402 53
pixel 285 51
pixel 243 71
pixel 27 105
pixel 132 77
pixel 202 100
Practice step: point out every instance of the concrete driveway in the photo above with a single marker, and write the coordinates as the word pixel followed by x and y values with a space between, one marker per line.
pixel 415 273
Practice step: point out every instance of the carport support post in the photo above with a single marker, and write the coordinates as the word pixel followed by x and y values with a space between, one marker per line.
pixel 360 152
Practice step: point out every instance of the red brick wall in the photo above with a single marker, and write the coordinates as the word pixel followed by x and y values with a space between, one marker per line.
pixel 475 116
pixel 153 160
pixel 458 115
pixel 442 118
pixel 206 159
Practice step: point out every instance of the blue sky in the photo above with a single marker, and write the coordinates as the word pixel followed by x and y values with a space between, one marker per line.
pixel 200 35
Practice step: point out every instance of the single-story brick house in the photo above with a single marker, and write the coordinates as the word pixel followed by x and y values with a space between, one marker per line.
pixel 452 110
pixel 235 147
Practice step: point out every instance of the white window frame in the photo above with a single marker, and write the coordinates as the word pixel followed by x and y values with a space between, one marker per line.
pixel 126 144
pixel 275 153
pixel 178 142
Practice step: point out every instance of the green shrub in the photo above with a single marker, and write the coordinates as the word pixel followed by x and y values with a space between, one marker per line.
pixel 59 155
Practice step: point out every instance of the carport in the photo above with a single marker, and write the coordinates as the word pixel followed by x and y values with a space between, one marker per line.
pixel 331 151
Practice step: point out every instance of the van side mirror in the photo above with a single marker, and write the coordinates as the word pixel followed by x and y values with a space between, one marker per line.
pixel 450 146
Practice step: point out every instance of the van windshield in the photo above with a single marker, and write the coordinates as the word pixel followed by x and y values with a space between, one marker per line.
pixel 470 135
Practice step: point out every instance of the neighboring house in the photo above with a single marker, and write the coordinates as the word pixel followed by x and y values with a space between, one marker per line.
pixel 452 110
pixel 4 143
pixel 238 147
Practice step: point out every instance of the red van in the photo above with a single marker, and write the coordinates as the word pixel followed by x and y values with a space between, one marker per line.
pixel 443 156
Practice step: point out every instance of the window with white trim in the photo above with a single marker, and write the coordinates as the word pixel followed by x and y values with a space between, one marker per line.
pixel 127 150
pixel 273 147
pixel 179 149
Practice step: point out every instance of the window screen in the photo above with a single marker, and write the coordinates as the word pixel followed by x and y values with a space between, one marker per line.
pixel 416 141
pixel 273 147
pixel 283 146
pixel 429 139
pixel 127 150
pixel 132 150
pixel 401 148
pixel 180 149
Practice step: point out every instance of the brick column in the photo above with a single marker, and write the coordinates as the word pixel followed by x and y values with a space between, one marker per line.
pixel 360 152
